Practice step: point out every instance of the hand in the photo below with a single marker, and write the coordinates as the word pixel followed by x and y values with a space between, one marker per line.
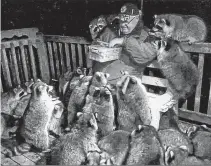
pixel 116 41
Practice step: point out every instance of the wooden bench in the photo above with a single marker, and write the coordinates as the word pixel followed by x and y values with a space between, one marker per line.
pixel 48 56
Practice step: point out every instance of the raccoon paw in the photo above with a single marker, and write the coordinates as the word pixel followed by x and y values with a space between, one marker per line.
pixel 8 153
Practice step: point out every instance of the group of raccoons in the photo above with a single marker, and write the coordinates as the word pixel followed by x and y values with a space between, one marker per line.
pixel 95 123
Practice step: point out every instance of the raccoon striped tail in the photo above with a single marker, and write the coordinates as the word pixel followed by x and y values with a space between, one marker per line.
pixel 21 149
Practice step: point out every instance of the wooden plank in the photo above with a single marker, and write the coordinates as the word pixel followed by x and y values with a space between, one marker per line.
pixel 15 64
pixel 34 157
pixel 73 56
pixel 80 55
pixel 197 47
pixel 62 58
pixel 55 50
pixel 16 42
pixel 66 39
pixel 22 160
pixel 30 32
pixel 5 66
pixel 43 59
pixel 198 89
pixel 32 59
pixel 88 61
pixel 8 161
pixel 50 51
pixel 155 81
pixel 23 58
pixel 195 116
pixel 67 52
pixel 185 104
pixel 209 102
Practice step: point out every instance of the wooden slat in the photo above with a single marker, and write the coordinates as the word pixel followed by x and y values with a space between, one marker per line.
pixel 50 51
pixel 80 55
pixel 31 54
pixel 195 116
pixel 66 39
pixel 55 50
pixel 67 52
pixel 5 66
pixel 62 58
pixel 88 61
pixel 209 102
pixel 16 43
pixel 185 105
pixel 23 58
pixel 8 161
pixel 73 56
pixel 22 160
pixel 154 81
pixel 197 47
pixel 1 86
pixel 15 64
pixel 198 89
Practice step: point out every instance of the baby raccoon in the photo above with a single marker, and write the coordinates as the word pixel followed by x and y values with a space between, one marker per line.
pixel 104 107
pixel 24 101
pixel 36 119
pixel 73 148
pixel 115 147
pixel 145 147
pixel 101 30
pixel 183 28
pixel 173 137
pixel 134 106
pixel 10 100
pixel 179 156
pixel 77 98
pixel 181 73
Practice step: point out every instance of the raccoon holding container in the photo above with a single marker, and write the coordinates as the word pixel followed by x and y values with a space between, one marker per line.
pixel 183 28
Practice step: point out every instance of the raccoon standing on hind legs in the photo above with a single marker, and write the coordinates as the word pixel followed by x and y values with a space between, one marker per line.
pixel 183 28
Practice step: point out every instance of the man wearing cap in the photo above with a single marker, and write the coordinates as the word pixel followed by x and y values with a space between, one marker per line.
pixel 137 53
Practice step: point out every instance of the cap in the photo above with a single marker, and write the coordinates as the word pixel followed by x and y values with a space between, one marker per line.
pixel 129 9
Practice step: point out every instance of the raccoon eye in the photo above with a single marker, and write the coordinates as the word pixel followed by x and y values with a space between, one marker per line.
pixel 100 26
pixel 21 94
pixel 95 29
pixel 168 46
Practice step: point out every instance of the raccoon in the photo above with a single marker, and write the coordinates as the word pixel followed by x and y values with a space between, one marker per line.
pixel 77 98
pixel 10 100
pixel 104 107
pixel 179 156
pixel 73 148
pixel 201 140
pixel 115 147
pixel 181 73
pixel 134 106
pixel 183 28
pixel 145 147
pixel 173 137
pixel 36 119
pixel 100 29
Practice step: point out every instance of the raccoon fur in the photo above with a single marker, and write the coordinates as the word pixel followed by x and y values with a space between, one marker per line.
pixel 100 29
pixel 145 147
pixel 134 106
pixel 115 147
pixel 183 28
pixel 36 119
pixel 10 100
pixel 181 73
pixel 73 148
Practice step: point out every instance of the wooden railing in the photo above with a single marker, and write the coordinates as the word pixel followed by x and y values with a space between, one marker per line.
pixel 49 56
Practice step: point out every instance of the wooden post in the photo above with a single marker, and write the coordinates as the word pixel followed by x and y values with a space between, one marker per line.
pixel 43 59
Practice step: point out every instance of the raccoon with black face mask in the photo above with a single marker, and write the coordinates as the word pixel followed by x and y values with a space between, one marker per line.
pixel 180 71
pixel 36 119
pixel 134 105
pixel 183 28
pixel 100 29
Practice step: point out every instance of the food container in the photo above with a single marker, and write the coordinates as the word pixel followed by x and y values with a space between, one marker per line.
pixel 103 54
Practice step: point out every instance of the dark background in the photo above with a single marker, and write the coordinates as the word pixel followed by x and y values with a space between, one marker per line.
pixel 71 17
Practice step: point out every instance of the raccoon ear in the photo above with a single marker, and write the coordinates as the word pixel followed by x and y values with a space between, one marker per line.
pixel 96 115
pixel 78 70
pixel 183 147
pixel 163 20
pixel 107 75
pixel 155 16
pixel 90 26
pixel 79 114
pixel 171 153
pixel 140 127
